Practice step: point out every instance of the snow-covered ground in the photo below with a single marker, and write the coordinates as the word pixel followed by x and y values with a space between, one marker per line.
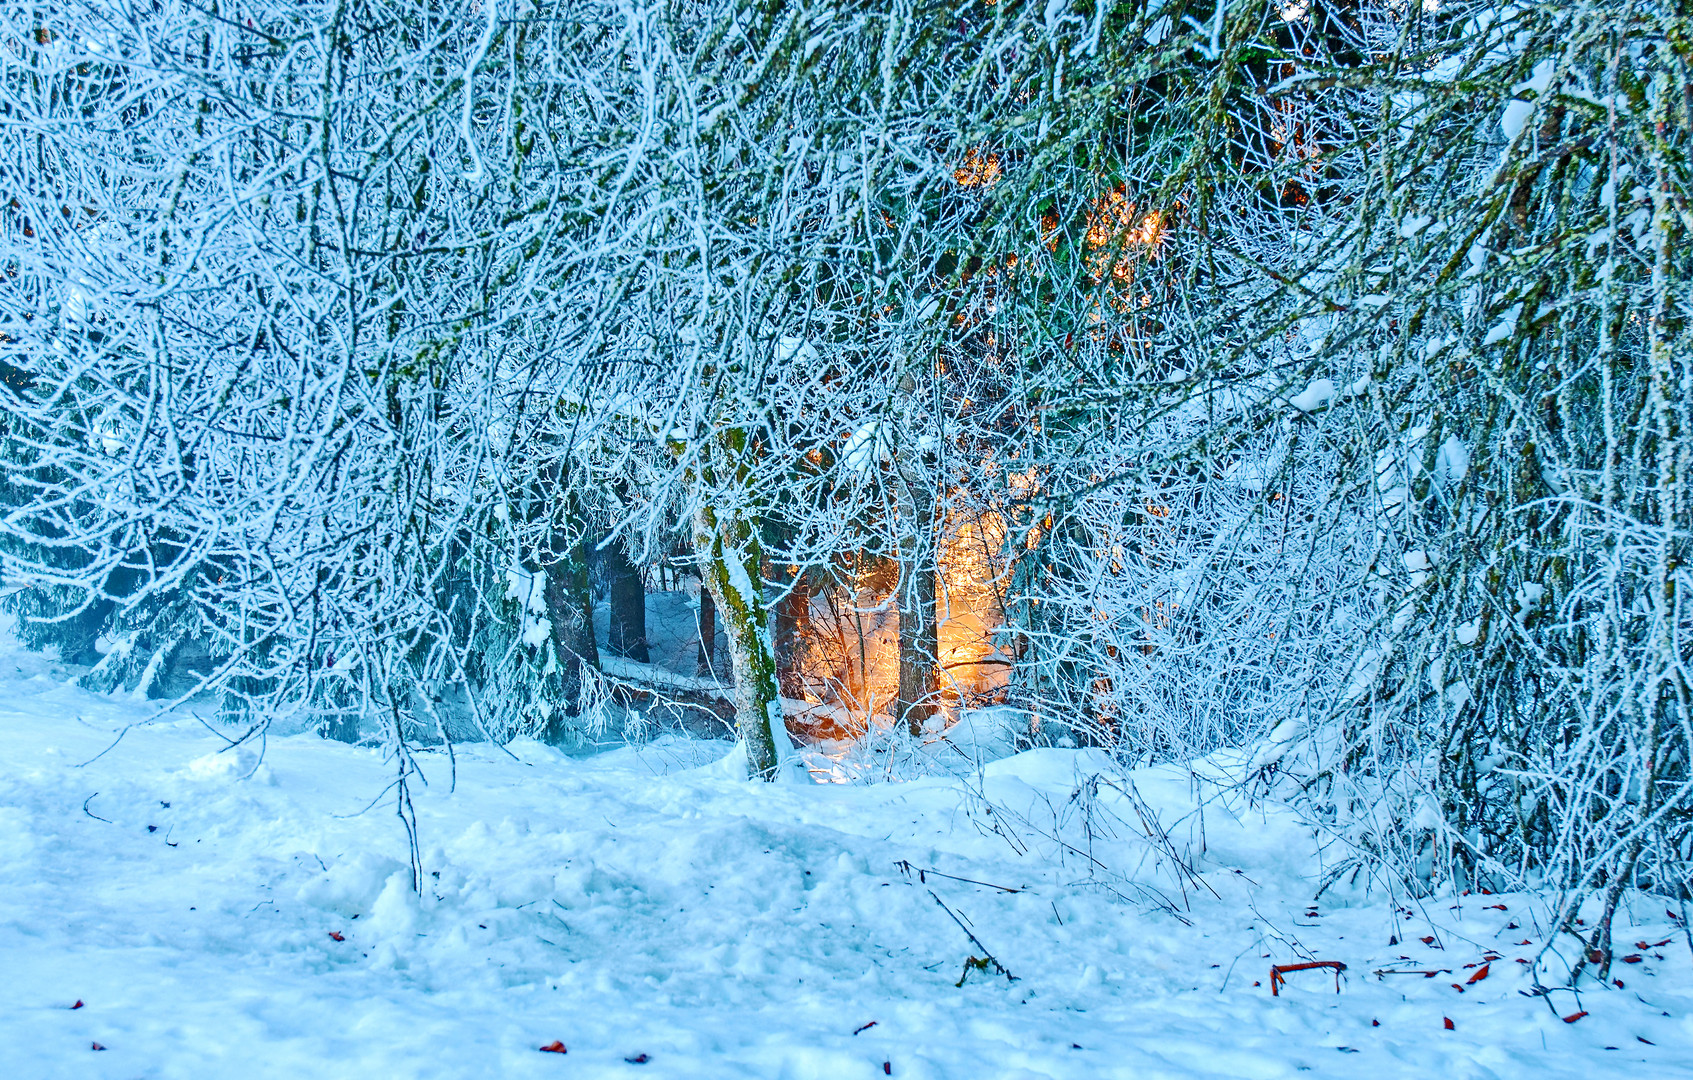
pixel 222 916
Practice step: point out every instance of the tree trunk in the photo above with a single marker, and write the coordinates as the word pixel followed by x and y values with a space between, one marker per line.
pixel 918 641
pixel 569 599
pixel 626 634
pixel 706 662
pixel 918 629
pixel 570 609
pixel 730 556
pixel 793 617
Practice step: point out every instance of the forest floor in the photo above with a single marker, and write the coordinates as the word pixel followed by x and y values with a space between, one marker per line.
pixel 170 910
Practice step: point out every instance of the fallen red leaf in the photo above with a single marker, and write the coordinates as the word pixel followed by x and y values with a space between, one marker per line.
pixel 96 1046
pixel 1632 958
pixel 638 1059
pixel 1525 941
pixel 554 1047
pixel 1520 960
pixel 1496 907
pixel 1654 945
pixel 1375 1023
pixel 1278 973
pixel 77 1006
pixel 1573 1017
pixel 1428 940
pixel 1480 974
pixel 336 935
pixel 1450 1026
pixel 887 1068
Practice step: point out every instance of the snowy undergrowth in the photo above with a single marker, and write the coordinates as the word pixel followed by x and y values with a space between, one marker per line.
pixel 224 916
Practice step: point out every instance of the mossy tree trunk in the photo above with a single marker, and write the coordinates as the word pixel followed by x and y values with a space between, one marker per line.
pixel 730 558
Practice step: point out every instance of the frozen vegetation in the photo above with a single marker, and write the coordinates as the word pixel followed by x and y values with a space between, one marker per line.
pixel 684 528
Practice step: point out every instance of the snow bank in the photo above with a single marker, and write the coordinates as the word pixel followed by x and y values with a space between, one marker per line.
pixel 258 922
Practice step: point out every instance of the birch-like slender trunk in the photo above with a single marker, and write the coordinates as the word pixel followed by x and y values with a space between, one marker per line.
pixel 730 557
pixel 919 636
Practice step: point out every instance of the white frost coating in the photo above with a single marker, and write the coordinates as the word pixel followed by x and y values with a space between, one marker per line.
pixel 1539 81
pixel 1452 463
pixel 865 448
pixel 1517 112
pixel 793 349
pixel 1529 595
pixel 536 631
pixel 1505 327
pixel 1445 71
pixel 1608 191
pixel 1250 474
pixel 526 588
pixel 1364 675
pixel 738 579
pixel 1279 742
pixel 1641 219
pixel 1315 396
pixel 1458 694
pixel 1158 31
pixel 778 729
pixel 1418 563
pixel 1467 633
pixel 1414 224
pixel 1427 815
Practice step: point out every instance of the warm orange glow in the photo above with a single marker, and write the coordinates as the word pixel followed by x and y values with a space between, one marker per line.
pixel 1116 225
pixel 852 651
pixel 977 170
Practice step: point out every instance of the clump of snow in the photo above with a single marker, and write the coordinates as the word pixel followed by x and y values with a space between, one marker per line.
pixel 1505 327
pixel 865 448
pixel 1314 397
pixel 1452 463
